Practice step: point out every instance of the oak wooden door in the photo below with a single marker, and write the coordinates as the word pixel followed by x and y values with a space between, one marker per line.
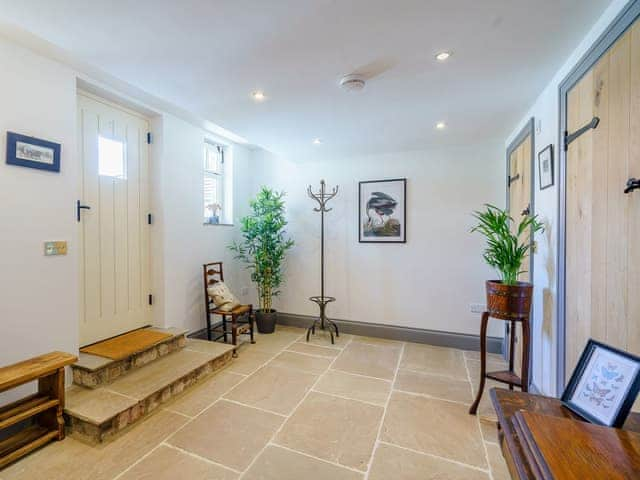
pixel 519 203
pixel 602 298
pixel 114 231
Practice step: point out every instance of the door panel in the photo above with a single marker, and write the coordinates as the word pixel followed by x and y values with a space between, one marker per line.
pixel 602 222
pixel 519 200
pixel 115 235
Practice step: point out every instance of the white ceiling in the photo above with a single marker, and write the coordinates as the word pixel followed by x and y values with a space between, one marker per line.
pixel 207 56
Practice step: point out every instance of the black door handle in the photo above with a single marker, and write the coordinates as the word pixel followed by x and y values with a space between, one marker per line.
pixel 632 184
pixel 80 207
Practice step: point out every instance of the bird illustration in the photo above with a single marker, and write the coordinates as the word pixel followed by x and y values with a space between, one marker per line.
pixel 382 204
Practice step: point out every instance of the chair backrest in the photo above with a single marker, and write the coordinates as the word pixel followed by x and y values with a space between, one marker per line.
pixel 212 274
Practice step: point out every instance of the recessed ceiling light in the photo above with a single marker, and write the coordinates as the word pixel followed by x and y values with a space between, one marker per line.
pixel 258 96
pixel 441 125
pixel 317 141
pixel 442 56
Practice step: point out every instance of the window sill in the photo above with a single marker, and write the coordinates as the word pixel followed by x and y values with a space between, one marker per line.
pixel 217 224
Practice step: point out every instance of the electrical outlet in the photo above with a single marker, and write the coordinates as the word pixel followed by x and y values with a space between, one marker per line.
pixel 244 291
pixel 477 307
pixel 55 248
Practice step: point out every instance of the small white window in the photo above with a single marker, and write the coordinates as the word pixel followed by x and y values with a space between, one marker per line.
pixel 111 162
pixel 214 183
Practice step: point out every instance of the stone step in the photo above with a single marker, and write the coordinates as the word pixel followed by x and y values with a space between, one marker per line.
pixel 93 371
pixel 99 414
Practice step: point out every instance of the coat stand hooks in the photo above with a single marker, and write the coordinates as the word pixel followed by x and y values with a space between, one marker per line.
pixel 322 197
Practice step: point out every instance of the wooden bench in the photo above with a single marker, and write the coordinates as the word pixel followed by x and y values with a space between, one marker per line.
pixel 44 408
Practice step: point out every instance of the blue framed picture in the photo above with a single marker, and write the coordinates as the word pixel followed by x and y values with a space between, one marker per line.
pixel 32 152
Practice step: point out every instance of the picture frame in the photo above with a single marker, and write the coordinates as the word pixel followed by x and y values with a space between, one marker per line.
pixel 604 385
pixel 31 152
pixel 382 211
pixel 545 167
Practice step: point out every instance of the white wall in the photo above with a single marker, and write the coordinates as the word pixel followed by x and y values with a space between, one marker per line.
pixel 39 307
pixel 427 283
pixel 545 111
pixel 186 242
pixel 39 295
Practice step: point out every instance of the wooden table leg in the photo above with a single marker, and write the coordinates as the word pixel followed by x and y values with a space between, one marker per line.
pixel 483 362
pixel 525 355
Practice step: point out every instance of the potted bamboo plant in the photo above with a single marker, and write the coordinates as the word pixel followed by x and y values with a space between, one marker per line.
pixel 263 247
pixel 507 248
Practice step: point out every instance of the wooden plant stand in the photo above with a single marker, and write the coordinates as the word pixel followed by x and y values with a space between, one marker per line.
pixel 44 408
pixel 508 377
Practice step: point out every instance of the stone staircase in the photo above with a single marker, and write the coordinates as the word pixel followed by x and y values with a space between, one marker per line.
pixel 108 395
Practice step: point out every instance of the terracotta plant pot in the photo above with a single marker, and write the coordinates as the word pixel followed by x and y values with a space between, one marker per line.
pixel 509 301
pixel 266 320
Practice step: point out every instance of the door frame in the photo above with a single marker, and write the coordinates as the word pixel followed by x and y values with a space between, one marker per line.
pixel 527 130
pixel 627 16
pixel 85 90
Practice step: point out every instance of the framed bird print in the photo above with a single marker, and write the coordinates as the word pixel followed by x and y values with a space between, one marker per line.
pixel 382 211
pixel 604 385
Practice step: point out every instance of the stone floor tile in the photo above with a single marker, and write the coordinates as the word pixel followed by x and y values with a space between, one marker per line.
pixel 323 339
pixel 227 433
pixel 370 360
pixel 275 389
pixel 74 460
pixel 434 385
pixel 434 360
pixel 390 462
pixel 314 350
pixel 277 463
pixel 166 463
pixel 333 429
pixel 249 360
pixel 434 426
pixel 198 398
pixel 355 387
pixel 499 468
pixel 298 361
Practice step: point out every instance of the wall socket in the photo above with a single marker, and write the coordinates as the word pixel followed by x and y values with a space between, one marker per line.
pixel 477 307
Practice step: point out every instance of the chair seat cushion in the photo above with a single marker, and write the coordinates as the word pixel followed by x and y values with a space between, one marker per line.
pixel 238 310
pixel 222 297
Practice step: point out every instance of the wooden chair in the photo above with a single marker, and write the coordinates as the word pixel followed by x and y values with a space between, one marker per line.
pixel 241 316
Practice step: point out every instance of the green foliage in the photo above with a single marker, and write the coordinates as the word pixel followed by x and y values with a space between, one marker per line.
pixel 263 244
pixel 506 250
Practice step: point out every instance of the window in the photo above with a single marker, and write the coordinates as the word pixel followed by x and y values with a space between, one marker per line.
pixel 214 184
pixel 111 158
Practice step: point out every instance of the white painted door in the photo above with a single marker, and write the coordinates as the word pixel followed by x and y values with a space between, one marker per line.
pixel 114 230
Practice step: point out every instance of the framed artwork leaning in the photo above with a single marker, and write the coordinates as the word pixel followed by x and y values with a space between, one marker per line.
pixel 382 211
pixel 604 385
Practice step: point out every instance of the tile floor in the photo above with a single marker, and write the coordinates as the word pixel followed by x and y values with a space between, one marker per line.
pixel 365 408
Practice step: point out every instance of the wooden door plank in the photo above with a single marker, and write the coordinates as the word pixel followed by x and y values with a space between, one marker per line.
pixel 617 201
pixel 633 279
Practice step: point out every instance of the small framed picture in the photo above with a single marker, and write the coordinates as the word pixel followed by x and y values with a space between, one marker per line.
pixel 382 209
pixel 604 385
pixel 32 152
pixel 545 167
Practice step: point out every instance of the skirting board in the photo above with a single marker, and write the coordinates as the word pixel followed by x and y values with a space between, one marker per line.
pixel 405 334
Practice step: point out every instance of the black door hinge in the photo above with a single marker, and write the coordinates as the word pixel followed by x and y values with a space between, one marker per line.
pixel 570 137
pixel 149 219
pixel 150 299
pixel 149 138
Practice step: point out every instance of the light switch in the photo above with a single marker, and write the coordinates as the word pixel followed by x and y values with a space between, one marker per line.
pixel 55 248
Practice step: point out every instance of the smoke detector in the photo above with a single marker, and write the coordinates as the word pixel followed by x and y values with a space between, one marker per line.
pixel 352 83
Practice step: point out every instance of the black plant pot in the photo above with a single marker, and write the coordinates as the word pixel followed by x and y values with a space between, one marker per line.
pixel 266 320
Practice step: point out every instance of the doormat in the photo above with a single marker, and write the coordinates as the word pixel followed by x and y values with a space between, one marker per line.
pixel 123 346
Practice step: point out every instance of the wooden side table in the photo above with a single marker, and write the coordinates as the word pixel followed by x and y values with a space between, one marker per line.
pixel 504 376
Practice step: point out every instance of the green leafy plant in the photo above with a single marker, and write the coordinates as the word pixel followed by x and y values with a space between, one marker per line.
pixel 506 247
pixel 264 244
